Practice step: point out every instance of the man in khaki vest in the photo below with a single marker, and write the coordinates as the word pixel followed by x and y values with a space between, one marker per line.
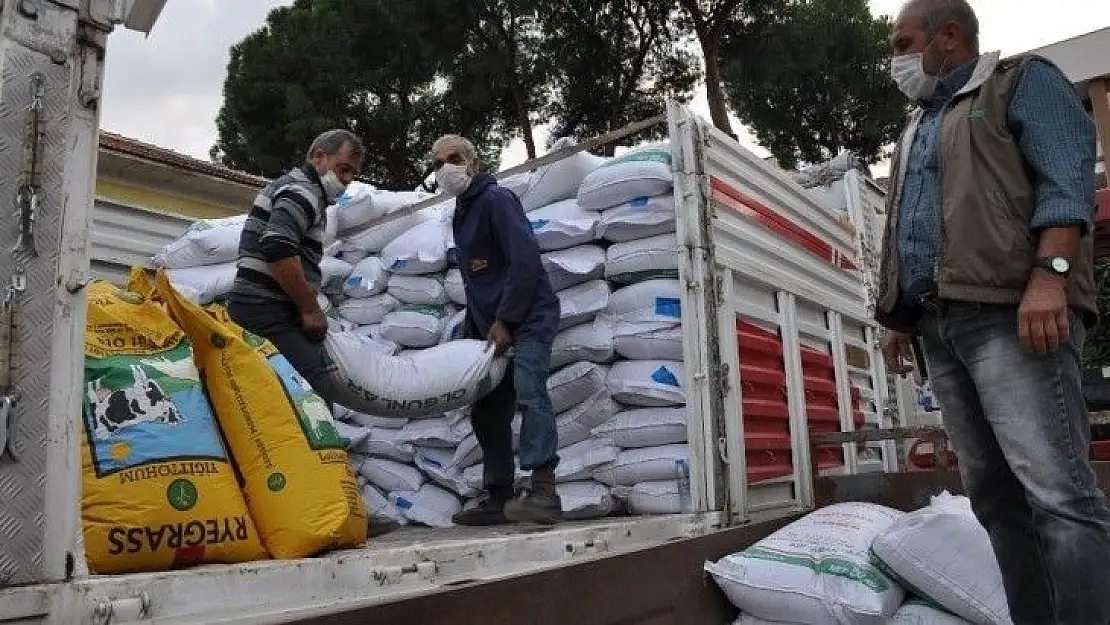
pixel 987 258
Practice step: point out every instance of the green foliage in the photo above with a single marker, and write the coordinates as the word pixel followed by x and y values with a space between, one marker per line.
pixel 617 62
pixel 1096 350
pixel 813 80
pixel 382 68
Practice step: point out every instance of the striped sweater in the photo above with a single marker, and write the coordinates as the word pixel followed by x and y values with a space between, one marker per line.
pixel 287 220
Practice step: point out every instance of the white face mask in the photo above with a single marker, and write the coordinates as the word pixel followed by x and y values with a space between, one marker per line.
pixel 453 179
pixel 333 186
pixel 908 72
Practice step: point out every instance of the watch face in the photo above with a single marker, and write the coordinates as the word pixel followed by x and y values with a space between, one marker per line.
pixel 1060 265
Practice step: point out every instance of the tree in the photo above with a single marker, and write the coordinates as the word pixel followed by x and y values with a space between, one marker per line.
pixel 506 56
pixel 385 69
pixel 814 81
pixel 616 62
pixel 709 20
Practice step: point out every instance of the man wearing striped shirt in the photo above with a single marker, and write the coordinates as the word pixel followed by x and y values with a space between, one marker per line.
pixel 275 292
pixel 988 259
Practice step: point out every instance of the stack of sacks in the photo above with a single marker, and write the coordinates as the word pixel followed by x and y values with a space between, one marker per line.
pixel 201 263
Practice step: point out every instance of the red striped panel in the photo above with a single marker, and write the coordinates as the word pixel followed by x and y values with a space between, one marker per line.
pixel 748 206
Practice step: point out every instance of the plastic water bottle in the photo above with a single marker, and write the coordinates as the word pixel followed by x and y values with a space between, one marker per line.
pixel 683 471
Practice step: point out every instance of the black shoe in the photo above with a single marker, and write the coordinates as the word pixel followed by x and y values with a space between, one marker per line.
pixel 539 504
pixel 489 511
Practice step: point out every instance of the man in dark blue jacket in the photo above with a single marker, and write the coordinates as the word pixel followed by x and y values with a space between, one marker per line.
pixel 510 303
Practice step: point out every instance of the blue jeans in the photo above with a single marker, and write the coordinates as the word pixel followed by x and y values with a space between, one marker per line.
pixel 1018 423
pixel 524 385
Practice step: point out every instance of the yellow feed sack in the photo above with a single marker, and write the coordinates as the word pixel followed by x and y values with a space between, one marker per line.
pixel 159 490
pixel 298 485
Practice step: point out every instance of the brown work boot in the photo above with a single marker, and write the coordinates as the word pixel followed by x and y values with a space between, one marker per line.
pixel 489 511
pixel 540 503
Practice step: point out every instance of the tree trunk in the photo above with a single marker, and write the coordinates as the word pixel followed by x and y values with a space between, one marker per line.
pixel 718 110
pixel 523 120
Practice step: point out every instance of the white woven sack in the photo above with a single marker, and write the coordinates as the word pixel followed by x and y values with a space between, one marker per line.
pixel 778 577
pixel 572 385
pixel 414 326
pixel 426 383
pixel 374 239
pixel 574 425
pixel 469 453
pixel 658 300
pixel 324 302
pixel 944 554
pixel 431 505
pixel 333 274
pixel 367 278
pixel 592 342
pixel 339 324
pixel 356 435
pixel 390 444
pixel 648 341
pixel 915 612
pixel 418 290
pixel 351 256
pixel 517 183
pixel 368 310
pixel 373 335
pixel 202 285
pixel 585 500
pixel 353 416
pixel 643 172
pixel 581 304
pixel 453 327
pixel 640 218
pixel 648 464
pixel 562 225
pixel 658 497
pixel 378 505
pixel 436 463
pixel 421 250
pixel 454 287
pixel 645 427
pixel 436 432
pixel 559 180
pixel 356 205
pixel 205 242
pixel 647 383
pixel 389 475
pixel 574 266
pixel 642 259
pixel 577 462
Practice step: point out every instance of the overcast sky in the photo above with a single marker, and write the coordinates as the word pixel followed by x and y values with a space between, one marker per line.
pixel 167 89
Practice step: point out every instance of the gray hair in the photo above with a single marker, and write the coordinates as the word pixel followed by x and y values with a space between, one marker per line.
pixel 466 147
pixel 332 141
pixel 936 13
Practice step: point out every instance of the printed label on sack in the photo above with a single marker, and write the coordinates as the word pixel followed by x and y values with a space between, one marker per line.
pixel 639 202
pixel 657 155
pixel 312 413
pixel 665 376
pixel 868 576
pixel 668 307
pixel 398 264
pixel 140 411
pixel 539 224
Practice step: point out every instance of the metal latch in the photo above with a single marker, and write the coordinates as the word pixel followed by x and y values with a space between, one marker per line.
pixel 6 413
pixel 125 610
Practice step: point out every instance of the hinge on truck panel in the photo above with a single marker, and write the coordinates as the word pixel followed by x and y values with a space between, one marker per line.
pixel 719 286
pixel 127 610
pixel 390 575
pixel 724 378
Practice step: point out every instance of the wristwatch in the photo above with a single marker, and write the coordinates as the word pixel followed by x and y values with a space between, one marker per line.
pixel 1059 265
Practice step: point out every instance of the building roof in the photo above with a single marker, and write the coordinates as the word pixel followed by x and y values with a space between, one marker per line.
pixel 1083 58
pixel 133 147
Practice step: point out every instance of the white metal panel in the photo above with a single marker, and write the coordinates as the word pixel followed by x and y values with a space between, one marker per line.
pixel 703 400
pixel 391 567
pixel 124 235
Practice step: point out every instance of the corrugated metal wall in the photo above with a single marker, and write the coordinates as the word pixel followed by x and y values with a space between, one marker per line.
pixel 123 236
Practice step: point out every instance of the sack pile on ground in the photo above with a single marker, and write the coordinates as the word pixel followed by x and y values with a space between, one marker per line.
pixel 606 232
pixel 860 563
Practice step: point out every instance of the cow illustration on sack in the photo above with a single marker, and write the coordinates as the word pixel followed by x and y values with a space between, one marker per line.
pixel 144 402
